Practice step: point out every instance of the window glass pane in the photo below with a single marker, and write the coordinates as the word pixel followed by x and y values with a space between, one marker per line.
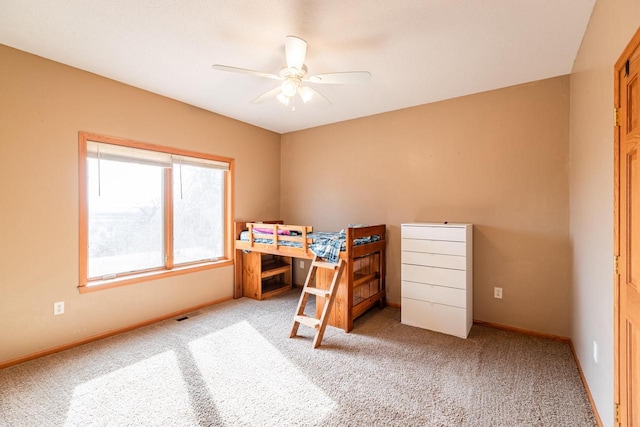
pixel 125 217
pixel 198 213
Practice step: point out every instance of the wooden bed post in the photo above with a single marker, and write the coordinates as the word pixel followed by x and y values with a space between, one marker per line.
pixel 348 318
pixel 382 302
pixel 237 284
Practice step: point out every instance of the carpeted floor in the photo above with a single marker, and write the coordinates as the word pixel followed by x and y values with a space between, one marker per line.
pixel 233 364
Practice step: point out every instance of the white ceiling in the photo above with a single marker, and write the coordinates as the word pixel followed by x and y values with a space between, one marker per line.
pixel 418 51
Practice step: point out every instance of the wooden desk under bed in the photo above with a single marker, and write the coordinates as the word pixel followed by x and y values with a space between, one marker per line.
pixel 263 270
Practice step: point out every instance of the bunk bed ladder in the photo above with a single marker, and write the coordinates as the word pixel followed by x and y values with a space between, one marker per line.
pixel 330 295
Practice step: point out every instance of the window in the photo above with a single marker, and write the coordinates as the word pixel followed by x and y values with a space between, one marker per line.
pixel 147 210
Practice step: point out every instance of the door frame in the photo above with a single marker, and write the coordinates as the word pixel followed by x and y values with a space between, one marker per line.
pixel 633 44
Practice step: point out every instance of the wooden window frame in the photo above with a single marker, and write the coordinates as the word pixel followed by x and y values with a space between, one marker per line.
pixel 86 285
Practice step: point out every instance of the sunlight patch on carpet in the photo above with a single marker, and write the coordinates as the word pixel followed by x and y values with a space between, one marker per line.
pixel 152 390
pixel 251 382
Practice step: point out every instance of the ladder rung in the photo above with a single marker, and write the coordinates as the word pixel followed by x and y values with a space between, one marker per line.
pixel 306 320
pixel 324 264
pixel 317 291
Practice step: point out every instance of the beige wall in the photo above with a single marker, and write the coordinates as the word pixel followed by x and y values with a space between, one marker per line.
pixel 43 105
pixel 612 24
pixel 497 159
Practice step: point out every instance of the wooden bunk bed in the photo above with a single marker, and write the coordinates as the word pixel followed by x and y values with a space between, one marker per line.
pixel 263 265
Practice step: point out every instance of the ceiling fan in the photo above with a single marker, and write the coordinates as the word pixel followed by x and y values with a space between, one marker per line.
pixel 295 74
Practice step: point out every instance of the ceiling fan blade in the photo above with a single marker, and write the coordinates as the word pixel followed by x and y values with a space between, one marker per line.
pixel 295 50
pixel 245 71
pixel 268 94
pixel 347 77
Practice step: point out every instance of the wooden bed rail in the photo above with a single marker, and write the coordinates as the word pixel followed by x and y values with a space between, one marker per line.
pixel 359 232
pixel 370 230
pixel 280 232
pixel 242 226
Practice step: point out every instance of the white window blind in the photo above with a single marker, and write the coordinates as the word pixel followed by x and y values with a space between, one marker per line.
pixel 122 153
pixel 196 161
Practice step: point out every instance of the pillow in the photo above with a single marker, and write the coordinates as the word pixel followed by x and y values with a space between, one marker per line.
pixel 270 231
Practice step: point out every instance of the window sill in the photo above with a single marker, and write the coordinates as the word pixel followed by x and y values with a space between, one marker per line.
pixel 98 285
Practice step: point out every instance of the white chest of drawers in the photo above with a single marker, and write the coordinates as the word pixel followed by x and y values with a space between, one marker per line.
pixel 437 277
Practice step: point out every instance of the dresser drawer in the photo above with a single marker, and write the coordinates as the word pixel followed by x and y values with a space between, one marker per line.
pixel 434 260
pixel 454 234
pixel 435 246
pixel 432 293
pixel 436 317
pixel 434 276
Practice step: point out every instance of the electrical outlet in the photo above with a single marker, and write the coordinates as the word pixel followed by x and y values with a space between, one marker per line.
pixel 595 351
pixel 301 263
pixel 58 308
pixel 497 293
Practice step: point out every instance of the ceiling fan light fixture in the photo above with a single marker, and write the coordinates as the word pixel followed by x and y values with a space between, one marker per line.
pixel 305 93
pixel 289 88
pixel 283 99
